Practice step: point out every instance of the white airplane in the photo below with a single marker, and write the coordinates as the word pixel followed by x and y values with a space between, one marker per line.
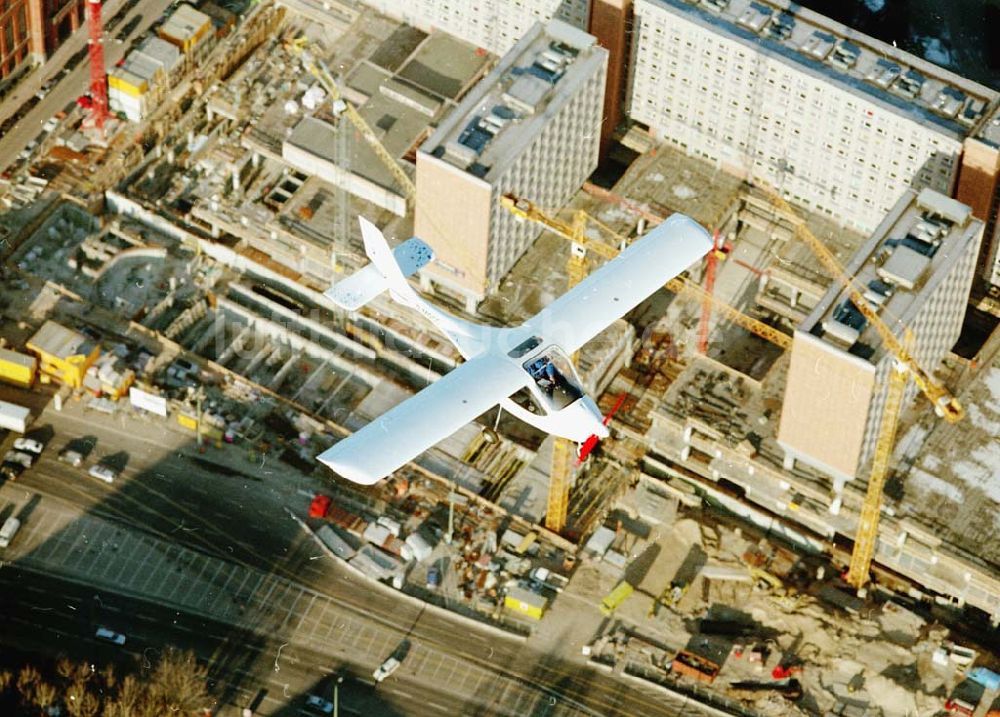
pixel 526 369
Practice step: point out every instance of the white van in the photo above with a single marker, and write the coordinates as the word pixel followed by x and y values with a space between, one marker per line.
pixel 8 531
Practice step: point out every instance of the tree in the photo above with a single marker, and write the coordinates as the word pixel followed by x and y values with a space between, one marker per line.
pixel 27 684
pixel 130 700
pixel 178 684
pixel 6 679
pixel 45 696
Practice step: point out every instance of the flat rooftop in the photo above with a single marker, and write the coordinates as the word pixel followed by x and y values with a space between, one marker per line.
pixel 862 65
pixel 57 340
pixel 512 104
pixel 989 132
pixel 911 252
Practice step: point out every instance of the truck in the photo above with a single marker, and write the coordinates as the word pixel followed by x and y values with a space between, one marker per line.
pixel 548 579
pixel 615 598
pixel 14 417
pixel 18 369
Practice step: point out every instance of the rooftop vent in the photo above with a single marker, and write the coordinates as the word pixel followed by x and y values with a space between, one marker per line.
pixel 460 154
pixel 474 136
pixel 781 27
pixel 715 5
pixel 938 205
pixel 563 49
pixel 908 85
pixel 949 101
pixel 904 267
pixel 884 73
pixel 927 228
pixel 526 93
pixel 878 292
pixel 503 112
pixel 972 111
pixel 818 45
pixel 845 55
pixel 755 17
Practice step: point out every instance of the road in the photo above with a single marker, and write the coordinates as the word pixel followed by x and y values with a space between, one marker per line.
pixel 163 494
pixel 51 616
pixel 76 82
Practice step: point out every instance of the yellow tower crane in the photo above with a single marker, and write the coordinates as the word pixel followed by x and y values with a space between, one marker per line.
pixel 320 71
pixel 577 267
pixel 906 367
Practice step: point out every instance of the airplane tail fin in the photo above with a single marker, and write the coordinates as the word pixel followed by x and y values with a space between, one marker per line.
pixel 388 270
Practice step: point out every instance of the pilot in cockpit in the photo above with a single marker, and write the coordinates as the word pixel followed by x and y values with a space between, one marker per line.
pixel 548 377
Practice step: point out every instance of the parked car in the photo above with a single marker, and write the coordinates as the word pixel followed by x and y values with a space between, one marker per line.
pixel 316 703
pixel 386 669
pixel 11 471
pixel 45 89
pixel 30 445
pixel 103 472
pixel 68 455
pixel 8 531
pixel 107 635
pixel 23 458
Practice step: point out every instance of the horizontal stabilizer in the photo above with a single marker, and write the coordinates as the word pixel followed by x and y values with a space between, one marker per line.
pixel 365 284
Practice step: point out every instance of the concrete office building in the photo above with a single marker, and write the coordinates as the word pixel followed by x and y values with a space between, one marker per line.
pixel 31 30
pixel 843 124
pixel 916 270
pixel 530 127
pixel 979 187
pixel 494 25
pixel 136 87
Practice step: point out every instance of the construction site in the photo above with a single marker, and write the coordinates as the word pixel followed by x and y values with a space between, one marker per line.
pixel 757 532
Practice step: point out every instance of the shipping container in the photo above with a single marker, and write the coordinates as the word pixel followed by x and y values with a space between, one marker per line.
pixel 694 666
pixel 13 417
pixel 18 369
pixel 525 602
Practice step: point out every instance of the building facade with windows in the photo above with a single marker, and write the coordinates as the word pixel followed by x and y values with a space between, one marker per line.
pixel 531 127
pixel 979 187
pixel 915 271
pixel 16 45
pixel 494 25
pixel 841 123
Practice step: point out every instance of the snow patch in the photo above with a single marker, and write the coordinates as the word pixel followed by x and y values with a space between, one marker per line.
pixel 683 191
pixel 935 51
pixel 875 6
pixel 992 381
pixel 925 482
pixel 982 469
pixel 614 213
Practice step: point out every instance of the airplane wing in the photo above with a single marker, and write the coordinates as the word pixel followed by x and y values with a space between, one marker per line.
pixel 623 283
pixel 401 434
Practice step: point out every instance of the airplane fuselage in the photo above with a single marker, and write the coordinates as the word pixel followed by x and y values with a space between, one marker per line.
pixel 555 403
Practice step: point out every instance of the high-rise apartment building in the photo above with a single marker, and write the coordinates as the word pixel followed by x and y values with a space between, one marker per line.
pixel 494 25
pixel 610 22
pixel 531 127
pixel 916 271
pixel 979 187
pixel 843 124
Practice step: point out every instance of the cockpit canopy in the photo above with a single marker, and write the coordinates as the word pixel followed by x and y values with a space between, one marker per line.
pixel 555 382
